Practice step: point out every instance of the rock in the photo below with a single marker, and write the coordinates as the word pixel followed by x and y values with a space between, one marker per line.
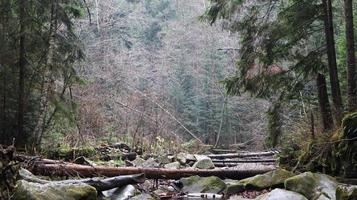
pixel 122 193
pixel 196 184
pixel 181 158
pixel 121 145
pixel 203 162
pixel 151 162
pixel 280 194
pixel 174 165
pixel 163 160
pixel 138 162
pixel 346 192
pixel 143 197
pixel 164 190
pixel 273 179
pixel 34 191
pixel 313 186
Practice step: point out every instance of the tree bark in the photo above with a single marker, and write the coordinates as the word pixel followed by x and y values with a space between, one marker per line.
pixel 351 59
pixel 324 103
pixel 21 137
pixel 332 63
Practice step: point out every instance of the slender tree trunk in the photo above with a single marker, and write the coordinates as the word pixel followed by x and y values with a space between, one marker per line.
pixel 324 103
pixel 332 64
pixel 3 124
pixel 22 66
pixel 351 59
pixel 38 131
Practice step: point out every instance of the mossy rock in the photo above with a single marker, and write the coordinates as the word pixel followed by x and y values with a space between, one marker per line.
pixel 68 153
pixel 34 191
pixel 346 193
pixel 203 162
pixel 313 186
pixel 273 179
pixel 196 184
pixel 163 160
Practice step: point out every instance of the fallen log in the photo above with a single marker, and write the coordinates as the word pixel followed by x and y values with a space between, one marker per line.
pixel 242 155
pixel 239 172
pixel 269 160
pixel 223 164
pixel 99 184
pixel 222 151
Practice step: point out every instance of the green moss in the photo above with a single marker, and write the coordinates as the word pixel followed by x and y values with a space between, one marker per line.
pixel 196 184
pixel 271 179
pixel 33 191
pixel 67 153
pixel 312 185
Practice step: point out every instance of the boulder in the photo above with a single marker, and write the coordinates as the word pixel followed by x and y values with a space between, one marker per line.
pixel 184 158
pixel 196 184
pixel 273 179
pixel 313 186
pixel 181 158
pixel 122 193
pixel 203 162
pixel 174 165
pixel 151 162
pixel 281 194
pixel 138 162
pixel 35 191
pixel 346 192
pixel 163 160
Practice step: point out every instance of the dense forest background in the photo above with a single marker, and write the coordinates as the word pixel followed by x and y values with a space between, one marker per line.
pixel 161 76
pixel 218 72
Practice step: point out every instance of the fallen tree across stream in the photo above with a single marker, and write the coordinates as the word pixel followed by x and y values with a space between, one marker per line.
pixel 242 155
pixel 69 169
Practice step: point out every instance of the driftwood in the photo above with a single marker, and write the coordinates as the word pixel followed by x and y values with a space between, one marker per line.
pixel 99 183
pixel 242 155
pixel 58 169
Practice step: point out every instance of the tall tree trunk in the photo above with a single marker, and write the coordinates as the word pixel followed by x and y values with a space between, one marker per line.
pixel 22 66
pixel 324 103
pixel 351 59
pixel 38 131
pixel 332 64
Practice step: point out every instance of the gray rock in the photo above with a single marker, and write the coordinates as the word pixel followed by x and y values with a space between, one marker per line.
pixel 151 162
pixel 181 158
pixel 174 165
pixel 196 184
pixel 203 162
pixel 313 186
pixel 35 191
pixel 138 162
pixel 163 160
pixel 121 193
pixel 280 194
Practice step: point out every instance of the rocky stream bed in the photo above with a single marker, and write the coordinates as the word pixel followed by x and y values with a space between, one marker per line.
pixel 66 183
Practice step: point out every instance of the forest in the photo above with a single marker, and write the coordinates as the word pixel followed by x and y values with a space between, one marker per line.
pixel 178 99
